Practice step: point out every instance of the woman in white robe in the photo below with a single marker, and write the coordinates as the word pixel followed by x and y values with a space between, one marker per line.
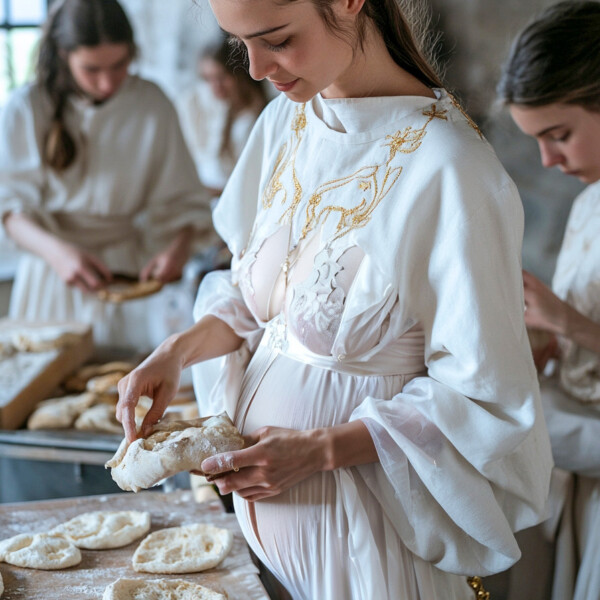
pixel 551 84
pixel 376 354
pixel 118 194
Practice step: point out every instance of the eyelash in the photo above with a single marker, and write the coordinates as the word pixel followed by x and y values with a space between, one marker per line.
pixel 278 47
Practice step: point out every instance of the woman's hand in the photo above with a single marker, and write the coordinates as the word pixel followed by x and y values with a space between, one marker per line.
pixel 168 264
pixel 275 459
pixel 158 378
pixel 543 309
pixel 78 268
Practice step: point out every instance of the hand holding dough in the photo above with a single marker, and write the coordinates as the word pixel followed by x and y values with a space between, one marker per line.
pixel 172 447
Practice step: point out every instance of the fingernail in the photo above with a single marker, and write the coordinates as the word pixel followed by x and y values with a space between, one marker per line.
pixel 207 465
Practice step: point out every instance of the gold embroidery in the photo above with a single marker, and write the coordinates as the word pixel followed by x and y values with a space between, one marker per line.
pixel 275 186
pixel 472 123
pixel 476 585
pixel 375 180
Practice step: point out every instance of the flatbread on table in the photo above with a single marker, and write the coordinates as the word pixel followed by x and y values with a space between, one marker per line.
pixel 159 589
pixel 59 413
pixel 103 530
pixel 77 382
pixel 39 551
pixel 123 288
pixel 101 417
pixel 186 549
pixel 172 447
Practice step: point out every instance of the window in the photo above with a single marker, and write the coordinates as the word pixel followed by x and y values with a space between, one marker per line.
pixel 20 22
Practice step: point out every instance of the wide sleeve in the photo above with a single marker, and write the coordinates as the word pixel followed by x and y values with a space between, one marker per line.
pixel 464 454
pixel 175 198
pixel 21 170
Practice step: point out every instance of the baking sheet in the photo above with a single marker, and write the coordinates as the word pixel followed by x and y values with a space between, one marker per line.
pixel 236 575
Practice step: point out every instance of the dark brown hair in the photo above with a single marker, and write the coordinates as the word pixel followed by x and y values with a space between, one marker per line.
pixel 556 59
pixel 405 38
pixel 70 25
pixel 251 93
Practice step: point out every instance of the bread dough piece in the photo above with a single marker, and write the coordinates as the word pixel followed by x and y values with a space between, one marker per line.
pixel 122 289
pixel 101 530
pixel 78 381
pixel 105 384
pixel 101 417
pixel 159 589
pixel 172 447
pixel 39 551
pixel 42 339
pixel 186 549
pixel 59 413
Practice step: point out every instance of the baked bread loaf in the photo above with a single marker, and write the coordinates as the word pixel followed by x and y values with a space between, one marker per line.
pixel 172 447
pixel 123 288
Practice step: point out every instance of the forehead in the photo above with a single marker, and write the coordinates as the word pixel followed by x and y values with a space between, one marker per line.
pixel 103 54
pixel 534 119
pixel 246 18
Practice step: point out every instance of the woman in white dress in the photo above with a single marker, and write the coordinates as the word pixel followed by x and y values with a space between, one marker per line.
pixel 551 84
pixel 95 177
pixel 376 356
pixel 218 114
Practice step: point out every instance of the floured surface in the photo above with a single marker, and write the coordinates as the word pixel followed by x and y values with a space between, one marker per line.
pixel 39 551
pixel 101 530
pixel 159 589
pixel 187 549
pixel 236 575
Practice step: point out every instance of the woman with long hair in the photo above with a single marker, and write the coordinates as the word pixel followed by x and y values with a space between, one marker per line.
pixel 95 177
pixel 376 356
pixel 551 84
pixel 218 113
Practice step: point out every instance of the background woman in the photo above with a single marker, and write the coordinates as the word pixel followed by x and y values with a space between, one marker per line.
pixel 376 363
pixel 219 113
pixel 551 84
pixel 95 177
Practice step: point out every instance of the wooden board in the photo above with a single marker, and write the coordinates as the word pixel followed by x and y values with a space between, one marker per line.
pixel 28 377
pixel 236 575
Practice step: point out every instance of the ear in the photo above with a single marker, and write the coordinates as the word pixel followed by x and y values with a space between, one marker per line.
pixel 349 8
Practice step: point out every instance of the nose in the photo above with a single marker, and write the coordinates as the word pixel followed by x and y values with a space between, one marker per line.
pixel 550 156
pixel 107 83
pixel 260 64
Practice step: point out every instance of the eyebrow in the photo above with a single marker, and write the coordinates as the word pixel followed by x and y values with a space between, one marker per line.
pixel 261 33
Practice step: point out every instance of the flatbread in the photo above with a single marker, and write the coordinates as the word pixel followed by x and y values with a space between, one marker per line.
pixel 39 551
pixel 122 289
pixel 101 417
pixel 172 447
pixel 159 589
pixel 77 381
pixel 101 530
pixel 186 549
pixel 59 413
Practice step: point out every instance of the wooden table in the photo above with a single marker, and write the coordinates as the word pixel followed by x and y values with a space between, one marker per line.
pixel 236 575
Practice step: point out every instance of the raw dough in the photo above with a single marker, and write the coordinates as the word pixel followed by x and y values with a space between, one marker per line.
pixel 101 417
pixel 105 384
pixel 102 530
pixel 78 381
pixel 159 589
pixel 173 446
pixel 39 551
pixel 186 549
pixel 59 413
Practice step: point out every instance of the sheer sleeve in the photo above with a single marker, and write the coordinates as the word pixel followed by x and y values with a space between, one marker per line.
pixel 464 454
pixel 21 169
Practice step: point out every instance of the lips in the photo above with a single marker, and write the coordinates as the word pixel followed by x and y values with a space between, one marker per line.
pixel 284 87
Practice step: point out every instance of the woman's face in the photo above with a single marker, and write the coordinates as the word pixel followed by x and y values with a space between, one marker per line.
pixel 99 71
pixel 220 81
pixel 289 44
pixel 568 136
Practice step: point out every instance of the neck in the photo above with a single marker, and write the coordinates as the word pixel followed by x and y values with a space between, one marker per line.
pixel 373 72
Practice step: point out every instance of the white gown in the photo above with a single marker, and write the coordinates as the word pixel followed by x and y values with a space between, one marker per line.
pixel 132 187
pixel 571 401
pixel 403 308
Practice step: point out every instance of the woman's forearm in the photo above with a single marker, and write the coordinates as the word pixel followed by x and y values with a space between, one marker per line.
pixel 208 338
pixel 581 330
pixel 30 236
pixel 346 445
